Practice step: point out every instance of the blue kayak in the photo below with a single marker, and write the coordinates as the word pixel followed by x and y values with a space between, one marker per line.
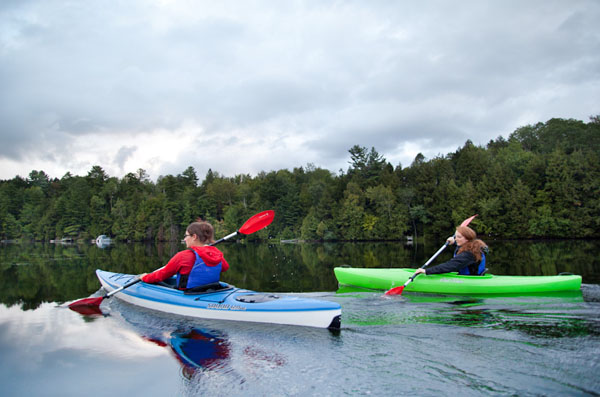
pixel 225 302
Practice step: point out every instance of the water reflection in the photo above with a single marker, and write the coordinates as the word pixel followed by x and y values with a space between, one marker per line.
pixel 207 346
pixel 196 349
pixel 532 345
pixel 31 274
pixel 542 315
pixel 103 241
pixel 481 346
pixel 200 348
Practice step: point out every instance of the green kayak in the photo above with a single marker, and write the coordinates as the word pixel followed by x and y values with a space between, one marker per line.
pixel 452 283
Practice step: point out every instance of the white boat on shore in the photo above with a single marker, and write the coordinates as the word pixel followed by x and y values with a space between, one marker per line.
pixel 103 241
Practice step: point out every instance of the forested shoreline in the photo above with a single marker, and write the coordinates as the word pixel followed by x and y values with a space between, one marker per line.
pixel 541 182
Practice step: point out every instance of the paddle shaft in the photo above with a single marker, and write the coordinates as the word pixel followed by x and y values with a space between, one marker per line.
pixel 398 290
pixel 129 284
pixel 443 247
pixel 138 279
pixel 226 238
pixel 447 243
pixel 255 223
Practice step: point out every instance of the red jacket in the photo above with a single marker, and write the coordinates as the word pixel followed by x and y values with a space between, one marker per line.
pixel 183 261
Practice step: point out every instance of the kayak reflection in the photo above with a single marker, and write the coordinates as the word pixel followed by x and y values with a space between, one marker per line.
pixel 548 314
pixel 200 349
pixel 423 297
pixel 196 349
pixel 207 350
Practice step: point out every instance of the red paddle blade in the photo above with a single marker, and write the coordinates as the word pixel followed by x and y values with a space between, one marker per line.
pixel 87 310
pixel 468 220
pixel 395 290
pixel 88 302
pixel 257 222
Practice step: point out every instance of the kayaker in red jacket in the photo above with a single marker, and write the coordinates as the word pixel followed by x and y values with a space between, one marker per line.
pixel 468 256
pixel 198 265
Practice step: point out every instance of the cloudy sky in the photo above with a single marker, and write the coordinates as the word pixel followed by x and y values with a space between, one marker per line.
pixel 249 86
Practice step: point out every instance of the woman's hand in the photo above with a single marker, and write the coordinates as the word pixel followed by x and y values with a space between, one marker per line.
pixel 420 271
pixel 450 240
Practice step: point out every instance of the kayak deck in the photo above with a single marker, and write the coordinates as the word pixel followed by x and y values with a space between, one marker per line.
pixel 231 303
pixel 452 283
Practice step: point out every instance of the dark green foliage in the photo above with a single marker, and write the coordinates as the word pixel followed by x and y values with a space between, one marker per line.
pixel 543 181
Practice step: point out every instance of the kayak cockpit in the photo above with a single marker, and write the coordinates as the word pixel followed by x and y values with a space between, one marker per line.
pixel 209 288
pixel 219 286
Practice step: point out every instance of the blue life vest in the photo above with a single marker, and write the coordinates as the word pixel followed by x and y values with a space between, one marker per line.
pixel 201 274
pixel 473 270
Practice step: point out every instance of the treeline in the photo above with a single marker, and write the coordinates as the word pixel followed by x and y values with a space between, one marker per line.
pixel 543 181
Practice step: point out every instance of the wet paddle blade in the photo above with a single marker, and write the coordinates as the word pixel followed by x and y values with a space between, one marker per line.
pixel 398 290
pixel 257 222
pixel 395 290
pixel 87 310
pixel 86 303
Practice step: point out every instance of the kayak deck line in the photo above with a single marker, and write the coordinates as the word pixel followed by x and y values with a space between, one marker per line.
pixel 128 277
pixel 216 303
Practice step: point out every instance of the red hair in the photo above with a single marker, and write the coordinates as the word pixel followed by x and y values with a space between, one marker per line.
pixel 473 244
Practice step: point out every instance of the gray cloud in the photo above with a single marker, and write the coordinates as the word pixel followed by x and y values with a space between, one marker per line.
pixel 124 153
pixel 310 79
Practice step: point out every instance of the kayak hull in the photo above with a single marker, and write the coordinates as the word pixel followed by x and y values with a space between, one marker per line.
pixel 452 283
pixel 232 304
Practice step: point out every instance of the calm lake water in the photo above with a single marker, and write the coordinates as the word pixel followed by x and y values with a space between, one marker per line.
pixel 413 344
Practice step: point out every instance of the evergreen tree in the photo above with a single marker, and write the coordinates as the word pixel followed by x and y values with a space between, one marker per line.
pixel 543 181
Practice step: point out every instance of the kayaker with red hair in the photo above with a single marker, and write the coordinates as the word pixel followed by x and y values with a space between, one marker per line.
pixel 198 265
pixel 469 256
